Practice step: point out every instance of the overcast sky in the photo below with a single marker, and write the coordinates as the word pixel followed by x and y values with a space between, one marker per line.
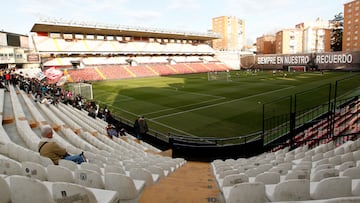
pixel 261 16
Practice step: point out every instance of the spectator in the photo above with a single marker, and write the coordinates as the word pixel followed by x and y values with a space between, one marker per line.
pixel 111 131
pixel 68 97
pixel 97 109
pixel 7 77
pixel 141 127
pixel 49 148
pixel 106 114
pixel 92 112
pixel 137 129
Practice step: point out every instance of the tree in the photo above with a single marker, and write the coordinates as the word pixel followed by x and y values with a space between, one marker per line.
pixel 337 32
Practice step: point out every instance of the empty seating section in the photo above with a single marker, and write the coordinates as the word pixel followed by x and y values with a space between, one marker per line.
pixel 85 74
pixel 4 138
pixel 183 68
pixel 118 71
pixel 346 121
pixel 141 71
pixel 48 44
pixel 164 69
pixel 151 60
pixel 117 170
pixel 147 58
pixel 300 175
pixel 200 67
pixel 115 72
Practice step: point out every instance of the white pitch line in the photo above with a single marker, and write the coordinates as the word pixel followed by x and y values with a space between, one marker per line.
pixel 173 128
pixel 194 93
pixel 221 103
pixel 178 130
pixel 183 106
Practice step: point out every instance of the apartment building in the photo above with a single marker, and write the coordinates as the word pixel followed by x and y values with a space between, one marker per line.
pixel 316 36
pixel 232 30
pixel 289 41
pixel 306 37
pixel 265 44
pixel 351 26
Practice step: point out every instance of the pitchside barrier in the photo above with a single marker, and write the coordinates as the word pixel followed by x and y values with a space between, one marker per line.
pixel 320 104
pixel 297 110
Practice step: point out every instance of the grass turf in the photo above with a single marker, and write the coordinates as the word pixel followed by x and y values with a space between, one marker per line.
pixel 192 105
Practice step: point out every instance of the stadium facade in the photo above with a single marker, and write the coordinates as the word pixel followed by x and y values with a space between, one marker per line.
pixel 15 51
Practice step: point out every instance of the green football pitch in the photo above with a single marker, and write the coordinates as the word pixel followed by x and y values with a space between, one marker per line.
pixel 193 106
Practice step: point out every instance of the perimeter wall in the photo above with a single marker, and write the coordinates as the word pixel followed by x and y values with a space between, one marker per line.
pixel 347 61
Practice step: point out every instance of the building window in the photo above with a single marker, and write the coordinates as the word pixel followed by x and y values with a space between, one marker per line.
pixel 90 37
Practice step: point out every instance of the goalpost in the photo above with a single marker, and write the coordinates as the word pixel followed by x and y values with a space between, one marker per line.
pixel 296 68
pixel 219 75
pixel 84 89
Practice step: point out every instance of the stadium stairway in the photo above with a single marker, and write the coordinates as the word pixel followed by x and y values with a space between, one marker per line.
pixel 193 182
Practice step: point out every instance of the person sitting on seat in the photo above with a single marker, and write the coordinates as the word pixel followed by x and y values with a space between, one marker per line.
pixel 111 131
pixel 49 148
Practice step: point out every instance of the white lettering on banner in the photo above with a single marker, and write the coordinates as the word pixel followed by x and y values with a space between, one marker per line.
pixel 340 58
pixel 296 59
pixel 303 60
pixel 266 60
pixel 283 60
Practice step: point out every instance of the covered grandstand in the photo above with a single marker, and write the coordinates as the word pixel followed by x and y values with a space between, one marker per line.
pixel 99 52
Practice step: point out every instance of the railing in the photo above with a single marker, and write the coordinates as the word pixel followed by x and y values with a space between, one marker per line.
pixel 341 123
pixel 215 141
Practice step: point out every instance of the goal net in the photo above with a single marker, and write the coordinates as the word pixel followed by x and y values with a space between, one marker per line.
pixel 84 89
pixel 297 68
pixel 219 75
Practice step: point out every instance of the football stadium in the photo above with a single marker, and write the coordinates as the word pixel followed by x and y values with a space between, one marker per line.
pixel 150 115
